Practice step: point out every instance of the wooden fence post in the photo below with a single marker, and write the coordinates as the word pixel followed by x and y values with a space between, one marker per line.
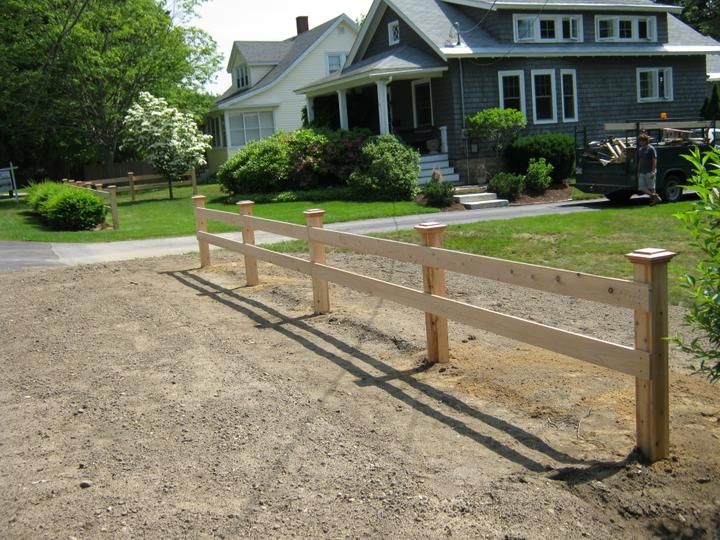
pixel 321 295
pixel 436 328
pixel 193 181
pixel 131 184
pixel 652 397
pixel 113 206
pixel 248 236
pixel 201 225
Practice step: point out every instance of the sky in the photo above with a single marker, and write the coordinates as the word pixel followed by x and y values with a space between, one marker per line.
pixel 265 20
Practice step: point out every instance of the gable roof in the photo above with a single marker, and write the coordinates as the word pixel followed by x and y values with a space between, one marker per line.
pixel 295 48
pixel 260 52
pixel 433 20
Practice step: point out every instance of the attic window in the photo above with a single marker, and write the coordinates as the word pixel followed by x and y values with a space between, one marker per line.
pixel 547 28
pixel 394 33
pixel 242 76
pixel 625 28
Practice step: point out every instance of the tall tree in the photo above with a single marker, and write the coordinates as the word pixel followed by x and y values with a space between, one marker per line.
pixel 703 15
pixel 74 67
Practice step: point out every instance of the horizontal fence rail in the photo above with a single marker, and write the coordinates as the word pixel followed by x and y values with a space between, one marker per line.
pixel 646 295
pixel 109 193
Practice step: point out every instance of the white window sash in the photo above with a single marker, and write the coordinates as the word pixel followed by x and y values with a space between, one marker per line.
pixel 634 20
pixel 534 22
pixel 520 74
pixel 394 33
pixel 539 72
pixel 563 90
pixel 654 80
pixel 239 132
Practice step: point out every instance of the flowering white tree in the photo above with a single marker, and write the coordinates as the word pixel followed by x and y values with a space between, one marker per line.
pixel 164 136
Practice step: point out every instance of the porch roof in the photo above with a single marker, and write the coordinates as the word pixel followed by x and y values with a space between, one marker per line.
pixel 397 63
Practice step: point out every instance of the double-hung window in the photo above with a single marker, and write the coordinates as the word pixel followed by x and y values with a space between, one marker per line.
pixel 511 88
pixel 654 84
pixel 568 87
pixel 625 28
pixel 543 90
pixel 249 126
pixel 547 28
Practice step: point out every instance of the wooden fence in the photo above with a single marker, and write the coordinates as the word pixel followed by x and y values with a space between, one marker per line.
pixel 109 194
pixel 646 295
pixel 132 183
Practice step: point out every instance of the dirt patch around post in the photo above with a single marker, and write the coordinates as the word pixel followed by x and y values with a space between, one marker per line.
pixel 153 399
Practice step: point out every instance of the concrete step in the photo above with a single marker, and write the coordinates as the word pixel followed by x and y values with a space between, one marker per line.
pixel 496 203
pixel 475 197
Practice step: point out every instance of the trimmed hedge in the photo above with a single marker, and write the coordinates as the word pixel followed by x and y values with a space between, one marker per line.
pixel 66 208
pixel 389 172
pixel 558 150
pixel 438 193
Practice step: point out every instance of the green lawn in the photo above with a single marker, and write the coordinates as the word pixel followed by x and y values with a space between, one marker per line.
pixel 593 242
pixel 153 215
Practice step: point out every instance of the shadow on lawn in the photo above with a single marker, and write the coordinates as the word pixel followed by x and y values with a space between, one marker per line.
pixel 578 470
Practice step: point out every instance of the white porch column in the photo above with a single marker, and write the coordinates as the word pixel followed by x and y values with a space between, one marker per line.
pixel 310 105
pixel 226 117
pixel 443 140
pixel 342 104
pixel 383 113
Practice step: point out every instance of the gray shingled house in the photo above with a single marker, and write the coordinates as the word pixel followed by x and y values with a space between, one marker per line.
pixel 418 68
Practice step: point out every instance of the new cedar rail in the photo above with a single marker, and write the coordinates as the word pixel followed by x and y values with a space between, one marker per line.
pixel 646 295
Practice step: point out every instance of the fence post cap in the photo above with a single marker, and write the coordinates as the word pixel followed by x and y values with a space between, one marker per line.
pixel 650 255
pixel 429 226
pixel 244 203
pixel 130 173
pixel 312 212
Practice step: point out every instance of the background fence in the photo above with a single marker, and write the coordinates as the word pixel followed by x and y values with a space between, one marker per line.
pixel 646 295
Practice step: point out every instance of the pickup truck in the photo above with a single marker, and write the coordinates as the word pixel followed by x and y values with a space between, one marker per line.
pixel 609 166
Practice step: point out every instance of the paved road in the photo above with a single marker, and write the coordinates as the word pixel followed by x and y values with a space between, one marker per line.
pixel 20 255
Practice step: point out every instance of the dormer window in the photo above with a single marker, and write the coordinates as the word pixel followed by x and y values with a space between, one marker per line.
pixel 394 33
pixel 625 28
pixel 242 76
pixel 547 28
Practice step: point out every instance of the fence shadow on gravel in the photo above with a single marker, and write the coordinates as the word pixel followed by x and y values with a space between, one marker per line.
pixel 577 470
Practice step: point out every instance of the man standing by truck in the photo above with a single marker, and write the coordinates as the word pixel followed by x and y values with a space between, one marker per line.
pixel 647 168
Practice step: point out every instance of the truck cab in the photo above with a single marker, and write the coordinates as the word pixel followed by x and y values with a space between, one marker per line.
pixel 609 166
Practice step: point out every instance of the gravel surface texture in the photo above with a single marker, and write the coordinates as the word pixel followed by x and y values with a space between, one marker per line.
pixel 153 399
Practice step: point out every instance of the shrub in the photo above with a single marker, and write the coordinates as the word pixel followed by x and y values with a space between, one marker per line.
pixel 39 193
pixel 558 150
pixel 389 172
pixel 438 193
pixel 307 152
pixel 703 223
pixel 507 185
pixel 496 125
pixel 72 209
pixel 342 155
pixel 261 166
pixel 538 177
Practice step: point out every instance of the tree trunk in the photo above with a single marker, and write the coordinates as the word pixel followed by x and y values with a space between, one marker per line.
pixel 170 182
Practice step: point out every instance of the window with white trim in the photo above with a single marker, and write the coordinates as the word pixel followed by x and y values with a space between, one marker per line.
pixel 654 84
pixel 335 62
pixel 422 103
pixel 249 126
pixel 547 28
pixel 625 28
pixel 216 128
pixel 394 33
pixel 511 89
pixel 242 76
pixel 568 90
pixel 543 90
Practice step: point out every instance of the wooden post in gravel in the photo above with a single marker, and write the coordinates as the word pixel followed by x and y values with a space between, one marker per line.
pixel 248 236
pixel 321 295
pixel 436 328
pixel 652 396
pixel 201 225
pixel 131 185
pixel 113 206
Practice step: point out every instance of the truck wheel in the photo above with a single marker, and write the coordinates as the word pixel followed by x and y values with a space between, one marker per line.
pixel 672 191
pixel 619 197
